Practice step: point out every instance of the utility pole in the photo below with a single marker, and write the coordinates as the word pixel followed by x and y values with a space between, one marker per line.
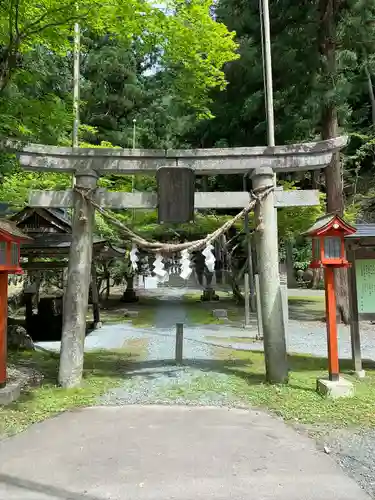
pixel 76 85
pixel 274 308
pixel 267 65
pixel 133 176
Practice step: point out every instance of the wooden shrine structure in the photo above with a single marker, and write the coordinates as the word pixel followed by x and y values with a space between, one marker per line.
pixel 260 163
pixel 50 233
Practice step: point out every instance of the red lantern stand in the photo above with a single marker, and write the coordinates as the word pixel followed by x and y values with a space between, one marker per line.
pixel 10 241
pixel 328 235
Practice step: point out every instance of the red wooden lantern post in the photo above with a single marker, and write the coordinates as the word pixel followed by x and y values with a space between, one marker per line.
pixel 328 244
pixel 10 242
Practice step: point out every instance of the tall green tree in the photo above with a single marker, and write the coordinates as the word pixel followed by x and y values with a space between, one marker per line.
pixel 189 40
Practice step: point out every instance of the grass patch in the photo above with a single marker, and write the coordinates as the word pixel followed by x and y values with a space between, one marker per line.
pixel 145 318
pixel 103 370
pixel 298 401
pixel 146 315
pixel 306 298
pixel 307 308
pixel 198 312
pixel 237 377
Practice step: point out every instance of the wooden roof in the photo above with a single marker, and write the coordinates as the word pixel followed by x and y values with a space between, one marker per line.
pixel 42 220
pixel 12 230
pixel 328 222
pixel 51 231
pixel 363 231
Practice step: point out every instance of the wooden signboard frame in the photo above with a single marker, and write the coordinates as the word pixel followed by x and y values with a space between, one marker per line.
pixel 358 251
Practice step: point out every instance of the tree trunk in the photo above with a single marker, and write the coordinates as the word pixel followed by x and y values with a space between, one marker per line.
pixel 371 93
pixel 129 295
pixel 329 129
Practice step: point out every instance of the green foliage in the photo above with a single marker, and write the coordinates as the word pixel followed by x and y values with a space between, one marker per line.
pixel 293 221
pixel 185 35
pixel 16 186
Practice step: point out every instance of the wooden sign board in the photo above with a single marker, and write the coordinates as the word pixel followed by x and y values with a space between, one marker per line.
pixel 365 278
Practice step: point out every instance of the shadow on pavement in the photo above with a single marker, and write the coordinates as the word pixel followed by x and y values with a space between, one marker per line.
pixel 43 489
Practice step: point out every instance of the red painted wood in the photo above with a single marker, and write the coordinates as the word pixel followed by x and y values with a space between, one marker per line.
pixel 333 355
pixel 3 327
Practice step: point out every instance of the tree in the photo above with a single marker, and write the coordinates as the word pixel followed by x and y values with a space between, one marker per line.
pixel 188 40
pixel 119 86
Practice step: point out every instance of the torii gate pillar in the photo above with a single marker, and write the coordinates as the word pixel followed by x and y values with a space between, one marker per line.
pixel 269 280
pixel 77 291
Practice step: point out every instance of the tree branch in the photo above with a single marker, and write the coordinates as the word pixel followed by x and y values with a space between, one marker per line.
pixel 29 29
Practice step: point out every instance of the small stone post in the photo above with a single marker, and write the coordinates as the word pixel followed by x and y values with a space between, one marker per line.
pixel 179 343
pixel 269 281
pixel 78 283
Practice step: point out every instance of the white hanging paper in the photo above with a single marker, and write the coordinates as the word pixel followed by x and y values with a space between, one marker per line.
pixel 185 263
pixel 209 258
pixel 159 270
pixel 134 257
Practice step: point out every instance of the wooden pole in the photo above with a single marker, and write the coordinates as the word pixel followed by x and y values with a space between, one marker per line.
pixel 3 327
pixel 247 300
pixel 249 254
pixel 95 297
pixel 355 335
pixel 259 307
pixel 333 356
pixel 77 289
pixel 269 281
pixel 179 343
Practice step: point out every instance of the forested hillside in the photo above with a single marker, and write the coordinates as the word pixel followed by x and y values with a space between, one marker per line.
pixel 190 74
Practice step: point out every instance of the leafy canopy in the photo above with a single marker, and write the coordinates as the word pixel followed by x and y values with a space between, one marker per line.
pixel 190 42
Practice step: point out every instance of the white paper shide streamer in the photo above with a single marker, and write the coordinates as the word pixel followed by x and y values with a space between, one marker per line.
pixel 185 264
pixel 209 258
pixel 134 257
pixel 159 270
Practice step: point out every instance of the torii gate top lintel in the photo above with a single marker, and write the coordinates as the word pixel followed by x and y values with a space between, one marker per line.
pixel 287 158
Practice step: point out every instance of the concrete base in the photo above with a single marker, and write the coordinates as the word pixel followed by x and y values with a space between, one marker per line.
pixel 360 374
pixel 341 388
pixel 10 393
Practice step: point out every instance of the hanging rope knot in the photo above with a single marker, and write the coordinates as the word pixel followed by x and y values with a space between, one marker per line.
pixel 258 201
pixel 86 194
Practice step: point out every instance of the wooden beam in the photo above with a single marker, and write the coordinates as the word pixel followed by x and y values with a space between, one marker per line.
pixel 148 201
pixel 289 158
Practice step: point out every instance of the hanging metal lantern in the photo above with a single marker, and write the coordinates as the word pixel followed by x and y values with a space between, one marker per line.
pixel 176 188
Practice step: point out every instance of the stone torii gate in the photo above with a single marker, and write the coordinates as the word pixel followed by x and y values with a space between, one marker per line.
pixel 259 162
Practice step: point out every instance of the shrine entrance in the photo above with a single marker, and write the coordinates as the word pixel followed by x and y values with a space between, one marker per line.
pixel 260 163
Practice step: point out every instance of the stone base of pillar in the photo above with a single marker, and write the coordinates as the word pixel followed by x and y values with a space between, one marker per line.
pixel 129 296
pixel 209 296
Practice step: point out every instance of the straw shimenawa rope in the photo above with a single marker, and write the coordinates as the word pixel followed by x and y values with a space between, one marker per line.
pixel 191 246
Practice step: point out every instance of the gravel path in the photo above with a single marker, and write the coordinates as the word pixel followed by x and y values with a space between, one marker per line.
pixel 355 453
